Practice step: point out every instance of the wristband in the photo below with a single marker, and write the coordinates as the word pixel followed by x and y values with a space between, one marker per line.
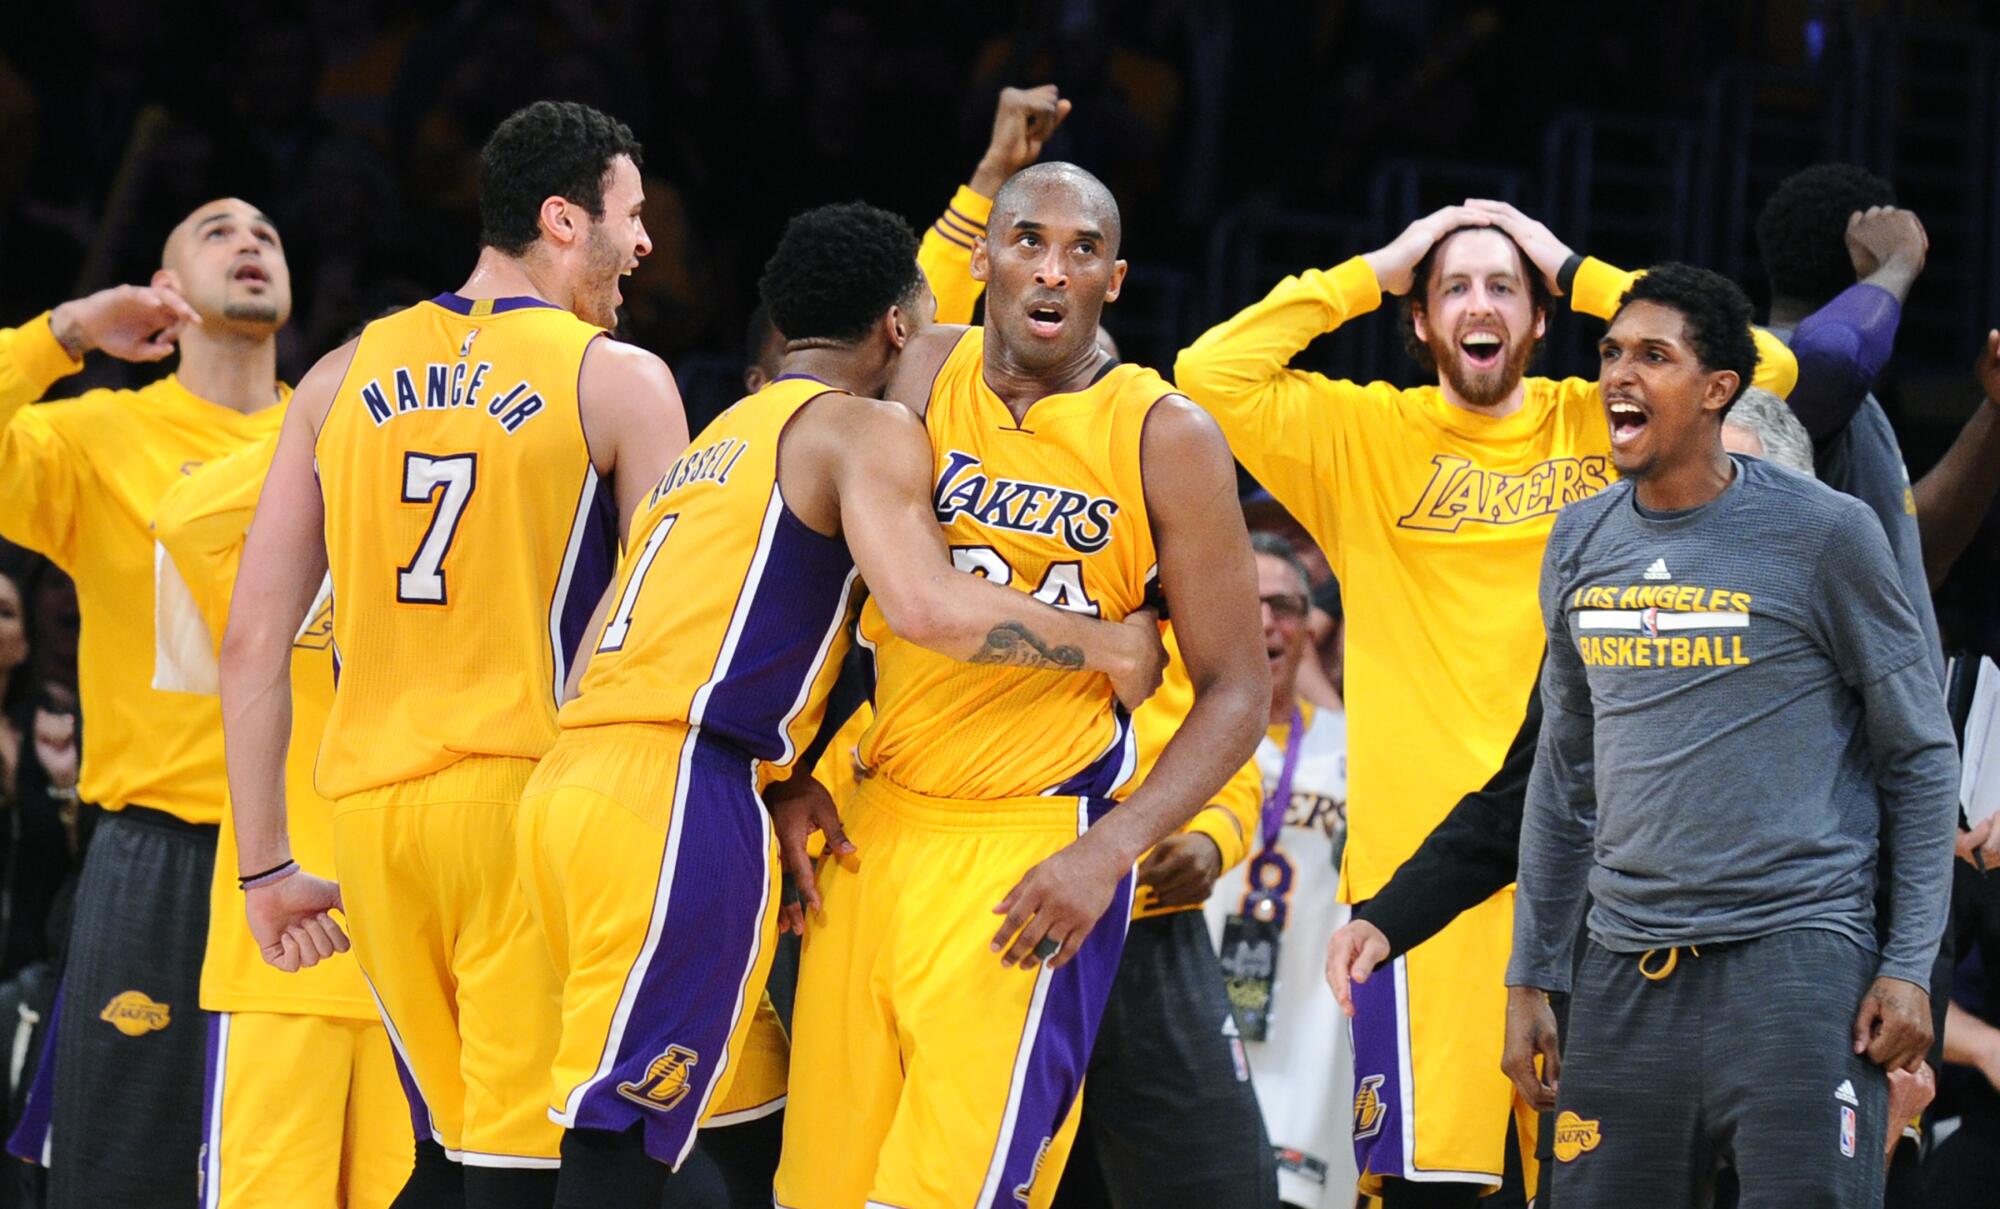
pixel 1566 276
pixel 268 877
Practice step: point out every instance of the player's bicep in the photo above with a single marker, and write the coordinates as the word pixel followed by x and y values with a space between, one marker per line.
pixel 882 481
pixel 284 554
pixel 633 421
pixel 1207 572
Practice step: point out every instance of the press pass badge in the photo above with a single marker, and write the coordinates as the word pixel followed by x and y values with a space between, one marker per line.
pixel 1251 937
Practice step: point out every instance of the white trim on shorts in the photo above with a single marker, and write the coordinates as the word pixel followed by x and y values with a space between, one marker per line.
pixel 211 1161
pixel 742 1115
pixel 1411 1171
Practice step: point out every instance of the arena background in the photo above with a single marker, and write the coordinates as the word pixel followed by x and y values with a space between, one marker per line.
pixel 1244 141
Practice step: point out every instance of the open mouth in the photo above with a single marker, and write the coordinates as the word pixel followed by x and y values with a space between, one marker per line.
pixel 1482 349
pixel 1275 653
pixel 1628 421
pixel 251 273
pixel 1045 319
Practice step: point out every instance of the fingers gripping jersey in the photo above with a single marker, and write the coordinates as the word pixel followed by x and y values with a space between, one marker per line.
pixel 731 614
pixel 467 535
pixel 1053 506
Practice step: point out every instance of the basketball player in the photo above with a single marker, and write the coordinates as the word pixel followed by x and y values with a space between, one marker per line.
pixel 710 673
pixel 80 481
pixel 270 1138
pixel 452 468
pixel 1432 504
pixel 937 1060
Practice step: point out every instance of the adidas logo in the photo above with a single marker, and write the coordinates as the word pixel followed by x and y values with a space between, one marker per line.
pixel 1659 570
pixel 1845 1093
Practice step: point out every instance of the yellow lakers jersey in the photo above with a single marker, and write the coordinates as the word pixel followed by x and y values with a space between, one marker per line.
pixel 1053 506
pixel 467 535
pixel 200 528
pixel 731 613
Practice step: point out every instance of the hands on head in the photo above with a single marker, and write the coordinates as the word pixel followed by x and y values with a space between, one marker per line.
pixel 1395 263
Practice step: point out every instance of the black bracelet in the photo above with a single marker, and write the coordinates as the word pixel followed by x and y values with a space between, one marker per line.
pixel 244 883
pixel 1566 276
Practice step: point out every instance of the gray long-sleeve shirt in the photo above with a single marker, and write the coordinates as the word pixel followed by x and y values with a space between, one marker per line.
pixel 1739 710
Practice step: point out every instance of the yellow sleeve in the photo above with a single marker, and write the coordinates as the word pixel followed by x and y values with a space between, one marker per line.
pixel 201 524
pixel 946 254
pixel 1290 428
pixel 42 471
pixel 1597 288
pixel 1236 815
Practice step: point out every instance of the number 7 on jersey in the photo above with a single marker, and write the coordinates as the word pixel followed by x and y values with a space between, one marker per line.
pixel 447 483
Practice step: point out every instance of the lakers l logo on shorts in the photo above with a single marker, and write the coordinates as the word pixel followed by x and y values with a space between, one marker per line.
pixel 134 1014
pixel 666 1081
pixel 1368 1111
pixel 1574 1136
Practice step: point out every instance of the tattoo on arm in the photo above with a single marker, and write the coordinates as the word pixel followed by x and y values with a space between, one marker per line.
pixel 1015 645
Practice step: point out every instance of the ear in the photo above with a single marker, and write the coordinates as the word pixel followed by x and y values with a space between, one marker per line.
pixel 980 263
pixel 1721 389
pixel 166 279
pixel 1421 326
pixel 561 220
pixel 1541 322
pixel 1118 268
pixel 898 325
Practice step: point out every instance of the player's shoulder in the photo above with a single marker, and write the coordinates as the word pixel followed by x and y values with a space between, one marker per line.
pixel 1803 505
pixel 922 359
pixel 615 366
pixel 1577 520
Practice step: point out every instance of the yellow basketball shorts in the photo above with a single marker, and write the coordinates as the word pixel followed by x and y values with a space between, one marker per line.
pixel 301 1112
pixel 925 1073
pixel 1430 1103
pixel 457 965
pixel 650 863
pixel 758 1090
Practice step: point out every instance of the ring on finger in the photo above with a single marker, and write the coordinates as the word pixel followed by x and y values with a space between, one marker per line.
pixel 1047 947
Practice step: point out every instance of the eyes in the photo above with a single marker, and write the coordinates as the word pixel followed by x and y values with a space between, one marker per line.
pixel 1651 356
pixel 1031 242
pixel 1499 288
pixel 263 235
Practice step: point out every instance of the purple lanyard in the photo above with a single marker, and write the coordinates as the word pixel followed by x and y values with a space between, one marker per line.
pixel 1280 798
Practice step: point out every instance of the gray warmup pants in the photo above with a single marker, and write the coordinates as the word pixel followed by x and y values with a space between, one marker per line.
pixel 1741 1057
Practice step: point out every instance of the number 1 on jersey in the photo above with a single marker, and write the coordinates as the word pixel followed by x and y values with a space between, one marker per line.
pixel 619 623
pixel 446 482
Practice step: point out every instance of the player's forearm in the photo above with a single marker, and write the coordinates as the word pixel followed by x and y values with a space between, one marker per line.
pixel 1241 362
pixel 31 360
pixel 1954 498
pixel 1220 733
pixel 1841 348
pixel 1968 1040
pixel 967 618
pixel 1915 757
pixel 256 725
pixel 945 255
pixel 1597 288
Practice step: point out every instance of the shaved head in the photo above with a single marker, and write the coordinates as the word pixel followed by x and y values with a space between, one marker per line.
pixel 205 215
pixel 1038 184
pixel 226 259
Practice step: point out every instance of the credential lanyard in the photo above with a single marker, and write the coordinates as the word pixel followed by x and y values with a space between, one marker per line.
pixel 1280 798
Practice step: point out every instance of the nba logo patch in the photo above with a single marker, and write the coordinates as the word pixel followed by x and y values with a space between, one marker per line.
pixel 1650 622
pixel 1846 1131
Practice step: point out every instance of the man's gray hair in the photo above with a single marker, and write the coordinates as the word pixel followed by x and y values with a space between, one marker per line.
pixel 1784 438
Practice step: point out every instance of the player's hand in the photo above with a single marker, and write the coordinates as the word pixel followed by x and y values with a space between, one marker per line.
pixel 1886 237
pixel 1181 869
pixel 290 921
pixel 1145 658
pixel 1022 124
pixel 1893 1026
pixel 799 807
pixel 1351 956
pixel 1059 900
pixel 1531 1033
pixel 130 322
pixel 1909 1094
pixel 1980 847
pixel 1987 368
pixel 1547 253
pixel 1395 263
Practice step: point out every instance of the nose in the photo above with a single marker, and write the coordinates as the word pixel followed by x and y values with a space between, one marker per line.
pixel 1618 372
pixel 1049 271
pixel 645 244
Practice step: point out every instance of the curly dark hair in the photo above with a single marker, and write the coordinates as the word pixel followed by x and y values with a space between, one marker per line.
pixel 1419 297
pixel 837 269
pixel 1715 312
pixel 548 149
pixel 1802 229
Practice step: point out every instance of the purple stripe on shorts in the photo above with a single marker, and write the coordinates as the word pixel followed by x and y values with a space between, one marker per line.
pixel 1099 777
pixel 1379 1095
pixel 420 1112
pixel 1072 1008
pixel 211 1091
pixel 696 979
pixel 30 1139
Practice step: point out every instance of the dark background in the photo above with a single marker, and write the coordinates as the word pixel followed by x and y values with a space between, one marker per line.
pixel 1244 141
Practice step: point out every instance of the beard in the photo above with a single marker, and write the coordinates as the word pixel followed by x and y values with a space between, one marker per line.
pixel 254 311
pixel 602 263
pixel 1481 387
